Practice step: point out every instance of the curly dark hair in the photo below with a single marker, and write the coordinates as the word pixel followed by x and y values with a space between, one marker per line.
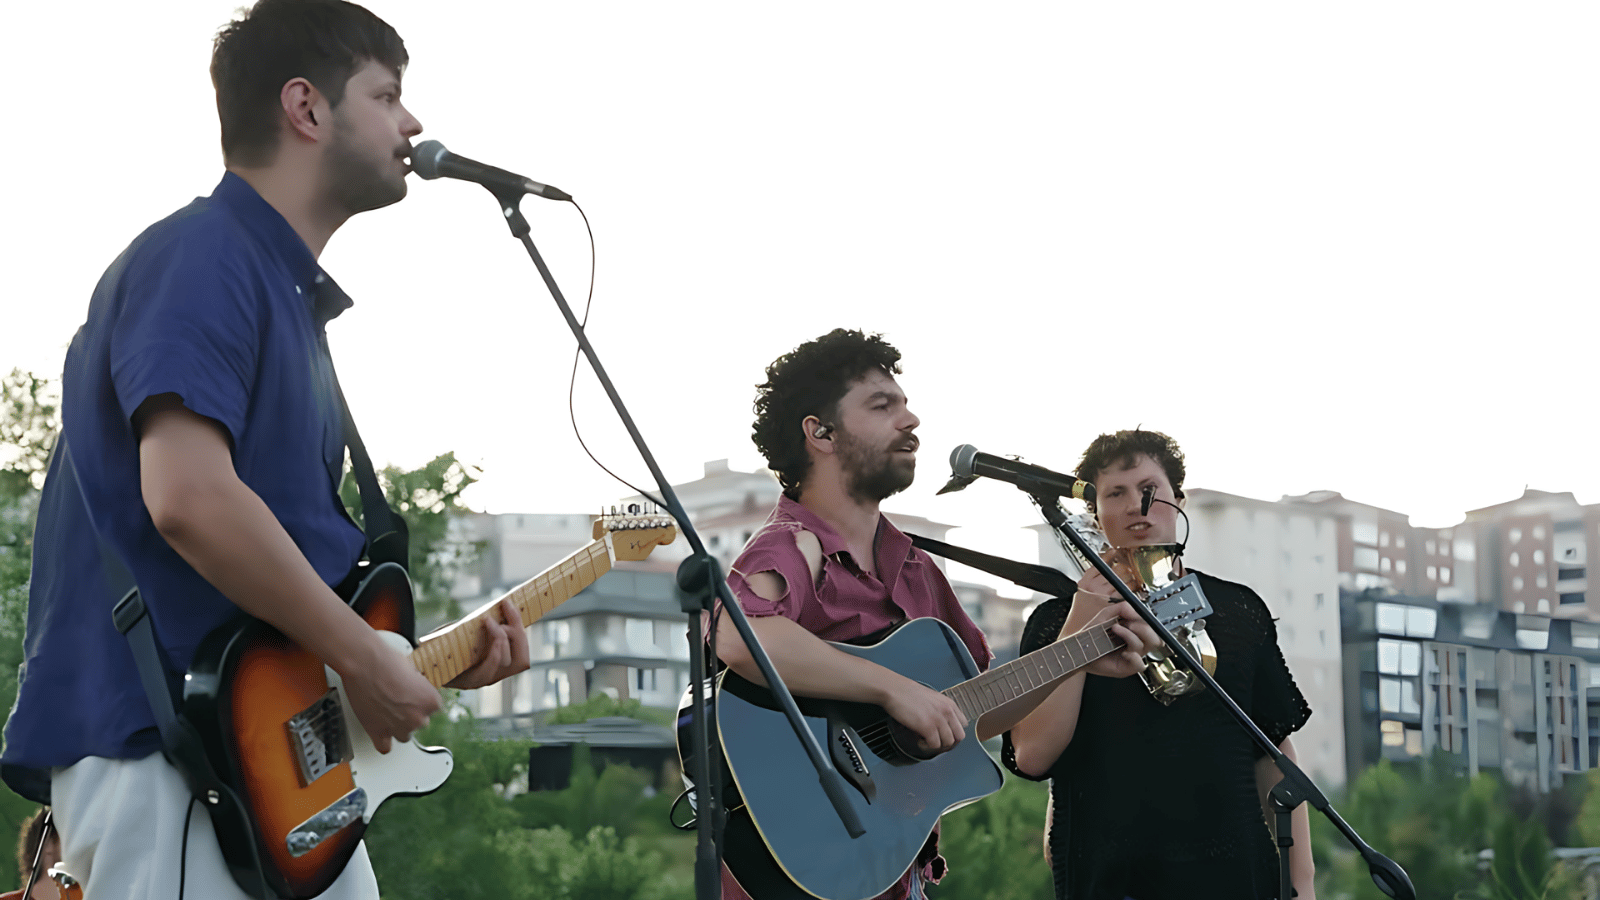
pixel 322 41
pixel 1122 448
pixel 810 380
pixel 28 841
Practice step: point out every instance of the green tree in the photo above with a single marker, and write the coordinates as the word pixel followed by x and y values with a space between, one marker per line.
pixel 995 847
pixel 29 423
pixel 427 497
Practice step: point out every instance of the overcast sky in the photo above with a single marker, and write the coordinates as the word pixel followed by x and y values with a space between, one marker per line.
pixel 1336 246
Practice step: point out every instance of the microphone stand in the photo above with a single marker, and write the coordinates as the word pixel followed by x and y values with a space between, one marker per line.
pixel 700 581
pixel 1296 787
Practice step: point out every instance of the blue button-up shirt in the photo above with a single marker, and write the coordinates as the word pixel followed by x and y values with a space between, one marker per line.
pixel 224 305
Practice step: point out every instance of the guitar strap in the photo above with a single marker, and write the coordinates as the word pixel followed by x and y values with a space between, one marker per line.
pixel 1043 579
pixel 388 539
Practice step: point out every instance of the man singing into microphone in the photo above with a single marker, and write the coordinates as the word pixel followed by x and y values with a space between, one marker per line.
pixel 1156 802
pixel 201 452
pixel 836 429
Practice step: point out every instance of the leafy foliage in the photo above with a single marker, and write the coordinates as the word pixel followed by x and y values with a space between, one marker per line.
pixel 995 847
pixel 29 423
pixel 427 497
pixel 615 796
pixel 600 705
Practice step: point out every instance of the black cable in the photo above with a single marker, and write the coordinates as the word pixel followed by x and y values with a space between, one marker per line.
pixel 572 383
pixel 183 855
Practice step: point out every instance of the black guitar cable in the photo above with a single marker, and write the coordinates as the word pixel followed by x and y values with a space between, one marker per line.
pixel 183 854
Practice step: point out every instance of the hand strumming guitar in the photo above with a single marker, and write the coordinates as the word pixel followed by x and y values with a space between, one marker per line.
pixel 1093 604
pixel 937 720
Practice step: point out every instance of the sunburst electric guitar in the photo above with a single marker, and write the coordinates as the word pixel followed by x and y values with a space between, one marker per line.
pixel 278 728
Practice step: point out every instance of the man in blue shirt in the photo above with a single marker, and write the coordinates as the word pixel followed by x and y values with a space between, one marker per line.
pixel 202 448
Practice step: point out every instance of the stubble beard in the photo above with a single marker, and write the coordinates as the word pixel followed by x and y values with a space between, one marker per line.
pixel 355 182
pixel 872 476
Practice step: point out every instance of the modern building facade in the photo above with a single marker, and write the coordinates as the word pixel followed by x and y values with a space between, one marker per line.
pixel 1497 690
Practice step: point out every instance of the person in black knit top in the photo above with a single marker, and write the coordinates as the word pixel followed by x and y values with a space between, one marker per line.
pixel 1149 801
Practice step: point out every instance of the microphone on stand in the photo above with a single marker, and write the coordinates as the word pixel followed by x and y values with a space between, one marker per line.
pixel 1148 497
pixel 431 160
pixel 967 464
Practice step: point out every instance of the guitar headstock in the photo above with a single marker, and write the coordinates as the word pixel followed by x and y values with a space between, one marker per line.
pixel 635 535
pixel 1180 602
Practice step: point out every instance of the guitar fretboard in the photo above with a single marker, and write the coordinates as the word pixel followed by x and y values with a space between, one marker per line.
pixel 449 651
pixel 1002 684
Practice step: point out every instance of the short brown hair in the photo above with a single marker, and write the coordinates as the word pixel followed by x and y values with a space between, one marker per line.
pixel 1123 448
pixel 322 41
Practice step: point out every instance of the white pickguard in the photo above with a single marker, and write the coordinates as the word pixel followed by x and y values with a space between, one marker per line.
pixel 405 769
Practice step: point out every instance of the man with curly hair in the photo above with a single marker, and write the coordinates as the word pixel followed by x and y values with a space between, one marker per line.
pixel 836 429
pixel 1150 801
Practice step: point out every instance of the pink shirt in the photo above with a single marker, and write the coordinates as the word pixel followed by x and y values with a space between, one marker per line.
pixel 846 603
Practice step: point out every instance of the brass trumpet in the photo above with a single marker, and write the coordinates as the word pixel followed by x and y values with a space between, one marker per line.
pixel 1151 567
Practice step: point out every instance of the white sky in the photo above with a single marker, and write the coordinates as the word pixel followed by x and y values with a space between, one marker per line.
pixel 1340 246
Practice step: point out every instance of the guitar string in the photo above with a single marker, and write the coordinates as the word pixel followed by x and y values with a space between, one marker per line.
pixel 879 736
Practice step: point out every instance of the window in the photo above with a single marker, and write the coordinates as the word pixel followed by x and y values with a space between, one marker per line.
pixel 1383 539
pixel 1389 695
pixel 1389 657
pixel 1515 560
pixel 1444 574
pixel 1366 558
pixel 557 689
pixel 1384 564
pixel 1538 532
pixel 558 636
pixel 1400 542
pixel 1433 573
pixel 639 633
pixel 1516 585
pixel 1319 601
pixel 1400 566
pixel 1421 621
pixel 1393 733
pixel 1538 557
pixel 1391 618
pixel 1514 536
pixel 1429 546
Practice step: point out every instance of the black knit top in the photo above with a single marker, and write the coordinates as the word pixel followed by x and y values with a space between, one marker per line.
pixel 1159 802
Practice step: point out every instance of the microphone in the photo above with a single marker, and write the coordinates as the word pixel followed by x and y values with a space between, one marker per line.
pixel 967 464
pixel 1148 497
pixel 431 160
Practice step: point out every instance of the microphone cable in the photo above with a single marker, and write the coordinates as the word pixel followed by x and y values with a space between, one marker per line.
pixel 577 354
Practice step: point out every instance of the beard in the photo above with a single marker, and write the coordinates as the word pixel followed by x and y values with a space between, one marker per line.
pixel 359 181
pixel 871 474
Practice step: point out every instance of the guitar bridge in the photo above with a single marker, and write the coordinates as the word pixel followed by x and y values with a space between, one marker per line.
pixel 318 738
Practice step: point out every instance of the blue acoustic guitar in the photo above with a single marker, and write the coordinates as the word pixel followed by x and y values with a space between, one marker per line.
pixel 783 838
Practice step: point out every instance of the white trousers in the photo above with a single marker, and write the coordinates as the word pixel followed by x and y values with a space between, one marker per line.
pixel 121 823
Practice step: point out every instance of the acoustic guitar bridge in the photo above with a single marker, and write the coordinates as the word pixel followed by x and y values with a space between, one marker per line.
pixel 848 760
